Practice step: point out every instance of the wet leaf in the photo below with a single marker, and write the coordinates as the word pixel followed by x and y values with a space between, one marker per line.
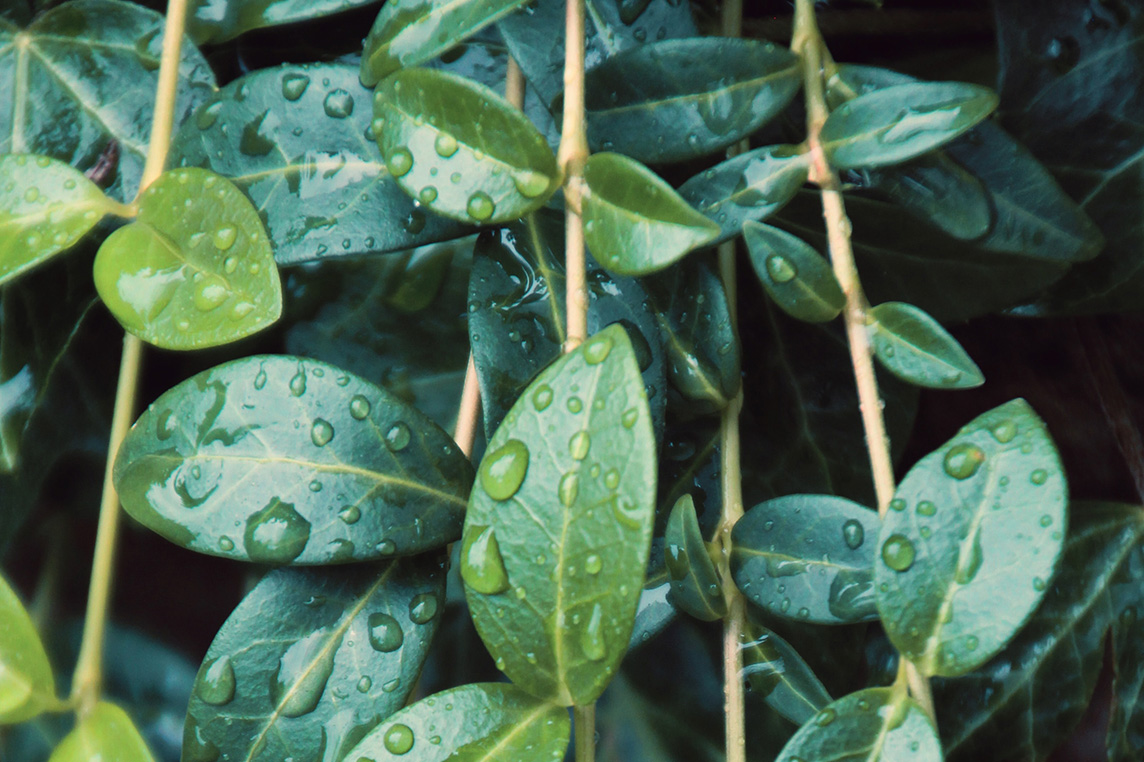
pixel 341 652
pixel 297 141
pixel 560 520
pixel 807 557
pixel 681 99
pixel 689 464
pixel 461 149
pixel 915 348
pixel 634 222
pixel 278 459
pixel 27 686
pixel 90 66
pixel 695 584
pixel 215 21
pixel 107 734
pixel 775 671
pixel 653 612
pixel 481 722
pixel 988 505
pixel 800 281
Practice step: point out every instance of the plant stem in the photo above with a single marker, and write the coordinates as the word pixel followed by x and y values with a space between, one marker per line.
pixel 585 720
pixel 87 679
pixel 469 412
pixel 571 156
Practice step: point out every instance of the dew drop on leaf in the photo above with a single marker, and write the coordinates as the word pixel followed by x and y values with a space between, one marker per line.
pixel 398 739
pixel 216 686
pixel 593 564
pixel 399 162
pixel 781 269
pixel 224 237
pixel 575 404
pixel 364 684
pixel 294 85
pixel 503 471
pixel 338 104
pixel 384 632
pixel 445 145
pixel 963 460
pixel 898 552
pixel 530 184
pixel 592 637
pixel 926 508
pixel 303 672
pixel 423 608
pixel 853 534
pixel 298 383
pixel 480 206
pixel 428 194
pixel 321 432
pixel 1004 431
pixel 350 514
pixel 579 444
pixel 1039 476
pixel 277 534
pixel 359 407
pixel 824 718
pixel 597 350
pixel 398 436
pixel 542 397
pixel 678 564
pixel 568 488
pixel 612 478
pixel 897 504
pixel 482 567
pixel 630 417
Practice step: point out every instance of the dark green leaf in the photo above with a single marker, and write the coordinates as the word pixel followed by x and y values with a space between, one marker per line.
pixel 460 148
pixel 807 557
pixel 215 21
pixel 971 541
pixel 297 141
pixel 695 586
pixel 653 612
pixel 799 280
pixel 560 521
pixel 339 653
pixel 105 733
pixel 634 222
pixel 483 722
pixel 680 99
pixel 775 671
pixel 85 74
pixel 937 189
pixel 281 460
pixel 27 686
pixel 751 186
pixel 897 123
pixel 194 269
pixel 690 463
pixel 915 348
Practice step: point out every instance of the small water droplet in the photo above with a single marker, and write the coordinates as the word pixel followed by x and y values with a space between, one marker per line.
pixel 445 145
pixel 298 383
pixel 569 488
pixel 593 564
pixel 216 686
pixel 963 460
pixel 853 534
pixel 630 417
pixel 480 206
pixel 385 633
pixel 898 552
pixel 482 567
pixel 592 637
pixel 364 684
pixel 321 432
pixel 597 350
pixel 781 269
pixel 338 104
pixel 398 436
pixel 398 739
pixel 294 85
pixel 225 543
pixel 207 115
pixel 423 608
pixel 579 444
pixel 359 407
pixel 428 194
pixel 612 478
pixel 1004 432
pixel 224 237
pixel 824 718
pixel 897 504
pixel 1039 476
pixel 350 514
pixel 971 643
pixel 926 508
pixel 530 184
pixel 542 397
pixel 575 404
pixel 399 162
pixel 260 379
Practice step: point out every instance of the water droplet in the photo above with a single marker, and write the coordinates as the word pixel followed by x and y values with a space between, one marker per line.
pixel 260 379
pixel 593 564
pixel 294 85
pixel 207 115
pixel 971 643
pixel 216 686
pixel 445 145
pixel 963 460
pixel 225 543
pixel 897 504
pixel 386 547
pixel 781 269
pixel 530 184
pixel 398 436
pixel 1039 476
pixel 630 417
pixel 385 633
pixel 298 383
pixel 428 194
pixel 364 684
pixel 482 567
pixel 575 404
pixel 612 478
pixel 1046 520
pixel 210 293
pixel 596 350
pixel 480 206
pixel 503 471
pixel 350 514
pixel 968 569
pixel 338 104
pixel 568 488
pixel 277 534
pixel 853 534
pixel 542 397
pixel 898 552
pixel 359 407
pixel 303 672
pixel 224 237
pixel 321 432
pixel 1038 584
pixel 1004 431
pixel 824 718
pixel 592 637
pixel 423 608
pixel 398 739
pixel 399 162
pixel 315 485
pixel 579 444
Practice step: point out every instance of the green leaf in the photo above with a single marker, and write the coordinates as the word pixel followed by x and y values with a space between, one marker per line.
pixel 85 73
pixel 341 652
pixel 807 557
pixel 278 459
pixel 915 348
pixel 215 21
pixel 775 671
pixel 676 100
pixel 799 280
pixel 873 725
pixel 297 141
pixel 481 722
pixel 897 123
pixel 689 464
pixel 195 269
pixel 653 612
pixel 105 733
pixel 934 188
pixel 750 186
pixel 461 149
pixel 559 523
pixel 972 541
pixel 410 32
pixel 26 683
pixel 634 222
pixel 695 584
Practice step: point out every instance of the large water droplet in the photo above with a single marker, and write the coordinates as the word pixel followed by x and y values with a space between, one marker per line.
pixel 398 739
pixel 298 383
pixel 350 514
pixel 482 567
pixel 445 145
pixel 224 237
pixel 968 568
pixel 853 534
pixel 781 269
pixel 209 293
pixel 303 672
pixel 338 104
pixel 423 608
pixel 277 534
pixel 851 595
pixel 166 424
pixel 216 686
pixel 385 633
pixel 397 437
pixel 321 432
pixel 294 85
pixel 593 564
pixel 898 552
pixel 678 564
pixel 592 637
pixel 359 407
pixel 399 162
pixel 207 115
pixel 597 350
pixel 530 184
pixel 542 397
pixel 579 444
pixel 568 488
pixel 1004 431
pixel 480 206
pixel 963 460
pixel 503 471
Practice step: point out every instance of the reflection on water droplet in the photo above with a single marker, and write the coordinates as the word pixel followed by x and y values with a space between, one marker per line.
pixel 423 608
pixel 503 471
pixel 898 552
pixel 277 534
pixel 397 437
pixel 359 407
pixel 1039 476
pixel 224 237
pixel 385 633
pixel 597 350
pixel 968 568
pixel 575 405
pixel 579 444
pixel 480 206
pixel 1004 431
pixel 225 543
pixel 963 460
pixel 853 534
pixel 428 194
pixel 926 508
pixel 399 162
pixel 542 397
pixel 321 432
pixel 530 184
pixel 398 739
pixel 568 488
pixel 445 145
pixel 350 514
pixel 482 567
pixel 294 85
pixel 897 504
pixel 303 672
pixel 592 637
pixel 338 104
pixel 593 564
pixel 207 115
pixel 781 269
pixel 216 685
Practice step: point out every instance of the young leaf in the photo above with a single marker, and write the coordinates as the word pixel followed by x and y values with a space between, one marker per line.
pixel 695 584
pixel 107 734
pixel 874 725
pixel 807 557
pixel 460 148
pixel 972 541
pixel 750 186
pixel 795 275
pixel 482 722
pixel 410 32
pixel 634 222
pixel 897 123
pixel 26 682
pixel 341 652
pixel 280 460
pixel 775 671
pixel 676 100
pixel 915 348
pixel 195 269
pixel 559 523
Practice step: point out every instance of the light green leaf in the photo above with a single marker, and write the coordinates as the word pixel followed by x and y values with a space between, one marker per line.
pixel 795 275
pixel 897 123
pixel 195 269
pixel 279 460
pixel 410 32
pixel 775 671
pixel 634 222
pixel 971 541
pixel 695 584
pixel 807 557
pixel 106 734
pixel 341 652
pixel 482 722
pixel 26 682
pixel 915 348
pixel 461 149
pixel 559 523
pixel 215 21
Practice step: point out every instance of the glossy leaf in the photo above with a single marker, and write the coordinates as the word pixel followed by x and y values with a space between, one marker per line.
pixel 988 505
pixel 690 463
pixel 410 32
pixel 751 186
pixel 461 149
pixel 341 652
pixel 481 722
pixel 681 99
pixel 915 348
pixel 194 269
pixel 560 520
pixel 897 123
pixel 653 612
pixel 775 671
pixel 634 222
pixel 278 459
pixel 298 141
pixel 26 683
pixel 807 557
pixel 937 189
pixel 695 584
pixel 106 733
pixel 799 280
pixel 877 724
pixel 215 21
pixel 84 74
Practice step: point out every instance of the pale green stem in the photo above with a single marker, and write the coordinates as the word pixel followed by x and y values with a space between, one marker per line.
pixel 585 719
pixel 571 156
